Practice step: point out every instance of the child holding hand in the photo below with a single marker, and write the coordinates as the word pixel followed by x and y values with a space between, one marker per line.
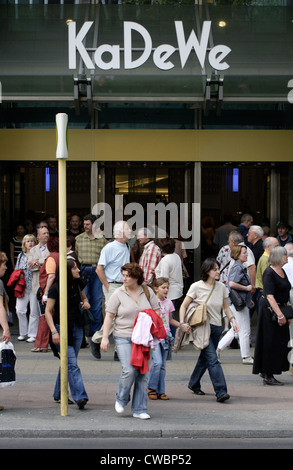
pixel 156 384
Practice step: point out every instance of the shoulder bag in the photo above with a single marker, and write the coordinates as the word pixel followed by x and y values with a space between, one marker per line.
pixel 199 316
pixel 236 299
pixel 146 291
pixel 7 364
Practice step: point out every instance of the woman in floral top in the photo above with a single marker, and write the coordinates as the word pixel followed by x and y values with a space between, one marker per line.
pixel 26 328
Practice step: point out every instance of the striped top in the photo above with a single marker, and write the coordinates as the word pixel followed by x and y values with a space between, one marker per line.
pixel 149 260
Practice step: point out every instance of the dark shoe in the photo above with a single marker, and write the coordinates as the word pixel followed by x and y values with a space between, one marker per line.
pixel 57 400
pixel 271 381
pixel 81 403
pixel 116 358
pixel 95 348
pixel 197 391
pixel 223 398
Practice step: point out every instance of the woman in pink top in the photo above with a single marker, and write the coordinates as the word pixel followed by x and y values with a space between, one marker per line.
pixel 156 384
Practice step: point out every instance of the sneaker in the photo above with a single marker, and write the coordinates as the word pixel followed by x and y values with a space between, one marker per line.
pixel 247 360
pixel 141 415
pixel 31 340
pixel 21 338
pixel 95 348
pixel 119 408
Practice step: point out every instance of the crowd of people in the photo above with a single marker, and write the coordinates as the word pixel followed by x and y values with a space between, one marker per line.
pixel 132 285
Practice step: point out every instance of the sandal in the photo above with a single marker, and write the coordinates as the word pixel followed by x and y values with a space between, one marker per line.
pixel 163 396
pixel 152 394
pixel 36 350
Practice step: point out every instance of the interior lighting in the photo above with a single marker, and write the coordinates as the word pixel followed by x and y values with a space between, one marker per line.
pixel 47 184
pixel 222 24
pixel 235 180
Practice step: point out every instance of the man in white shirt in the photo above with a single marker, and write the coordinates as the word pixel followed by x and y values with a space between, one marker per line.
pixel 113 256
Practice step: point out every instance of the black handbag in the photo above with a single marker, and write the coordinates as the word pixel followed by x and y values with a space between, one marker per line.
pixel 236 299
pixel 286 310
pixel 87 315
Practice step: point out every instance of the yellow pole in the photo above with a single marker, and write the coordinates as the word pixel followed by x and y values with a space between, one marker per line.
pixel 62 155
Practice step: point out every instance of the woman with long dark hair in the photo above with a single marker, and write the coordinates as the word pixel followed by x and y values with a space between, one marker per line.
pixel 209 288
pixel 75 298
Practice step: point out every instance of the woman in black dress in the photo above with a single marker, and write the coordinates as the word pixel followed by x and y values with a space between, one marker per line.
pixel 272 337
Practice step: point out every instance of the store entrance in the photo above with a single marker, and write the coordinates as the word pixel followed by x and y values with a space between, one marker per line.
pixel 145 183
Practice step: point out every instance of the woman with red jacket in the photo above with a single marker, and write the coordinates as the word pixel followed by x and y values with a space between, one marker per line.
pixel 26 328
pixel 125 304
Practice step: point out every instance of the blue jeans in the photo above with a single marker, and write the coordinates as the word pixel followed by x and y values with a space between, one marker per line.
pixel 158 369
pixel 208 360
pixel 130 376
pixel 74 375
pixel 94 292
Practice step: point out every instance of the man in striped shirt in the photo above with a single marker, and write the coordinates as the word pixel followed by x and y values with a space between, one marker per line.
pixel 88 247
pixel 151 255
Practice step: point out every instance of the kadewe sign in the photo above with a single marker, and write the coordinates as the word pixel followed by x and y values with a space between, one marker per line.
pixel 161 55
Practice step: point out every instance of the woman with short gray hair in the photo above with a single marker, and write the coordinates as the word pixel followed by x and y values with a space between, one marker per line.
pixel 272 337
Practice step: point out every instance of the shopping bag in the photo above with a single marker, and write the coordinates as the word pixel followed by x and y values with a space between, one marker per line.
pixel 7 364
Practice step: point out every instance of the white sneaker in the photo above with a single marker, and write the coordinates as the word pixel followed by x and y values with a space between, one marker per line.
pixel 31 340
pixel 141 415
pixel 21 338
pixel 119 408
pixel 247 360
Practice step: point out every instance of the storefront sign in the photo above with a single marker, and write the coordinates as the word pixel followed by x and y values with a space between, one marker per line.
pixel 290 94
pixel 161 55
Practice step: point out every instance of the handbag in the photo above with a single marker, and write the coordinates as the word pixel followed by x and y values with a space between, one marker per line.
pixel 199 316
pixel 236 299
pixel 286 310
pixel 7 364
pixel 87 315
